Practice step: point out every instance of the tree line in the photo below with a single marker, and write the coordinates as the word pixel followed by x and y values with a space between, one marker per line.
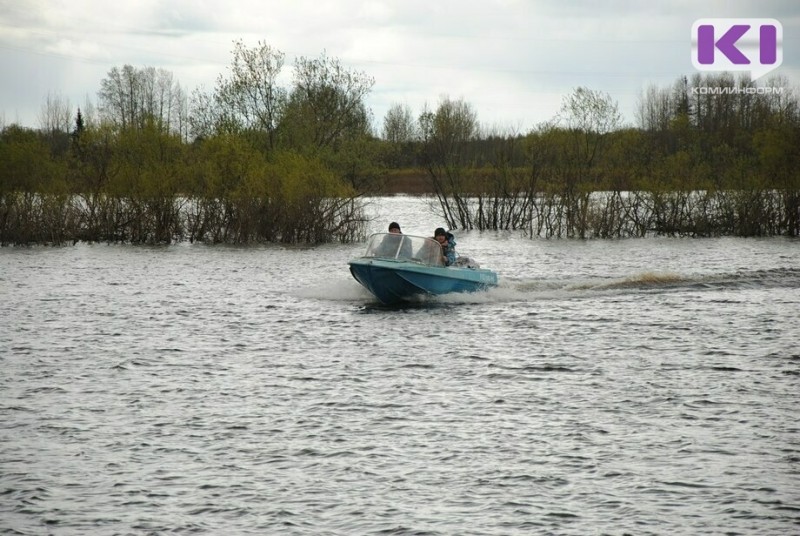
pixel 252 160
pixel 248 161
pixel 711 155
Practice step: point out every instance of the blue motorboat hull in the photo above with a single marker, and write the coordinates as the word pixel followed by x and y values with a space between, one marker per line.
pixel 392 281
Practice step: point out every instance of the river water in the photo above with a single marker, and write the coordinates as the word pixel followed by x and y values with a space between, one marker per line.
pixel 642 386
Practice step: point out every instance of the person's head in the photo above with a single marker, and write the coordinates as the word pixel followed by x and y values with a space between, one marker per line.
pixel 394 227
pixel 440 235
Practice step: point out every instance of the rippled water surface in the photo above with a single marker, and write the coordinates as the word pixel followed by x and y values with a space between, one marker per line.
pixel 606 387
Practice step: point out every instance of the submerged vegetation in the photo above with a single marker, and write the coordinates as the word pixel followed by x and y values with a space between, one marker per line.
pixel 698 165
pixel 253 161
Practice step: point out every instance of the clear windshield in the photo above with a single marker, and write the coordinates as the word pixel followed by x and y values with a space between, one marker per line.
pixel 405 247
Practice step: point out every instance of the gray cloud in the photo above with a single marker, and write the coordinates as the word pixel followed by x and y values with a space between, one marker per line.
pixel 512 59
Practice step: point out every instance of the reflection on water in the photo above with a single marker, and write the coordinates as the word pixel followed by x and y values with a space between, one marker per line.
pixel 641 387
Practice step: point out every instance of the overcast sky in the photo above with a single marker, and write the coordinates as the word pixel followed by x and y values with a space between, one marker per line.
pixel 512 60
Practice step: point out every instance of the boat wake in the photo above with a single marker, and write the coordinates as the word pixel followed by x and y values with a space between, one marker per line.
pixel 659 282
pixel 534 288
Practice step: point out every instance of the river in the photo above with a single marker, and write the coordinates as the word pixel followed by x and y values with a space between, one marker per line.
pixel 639 386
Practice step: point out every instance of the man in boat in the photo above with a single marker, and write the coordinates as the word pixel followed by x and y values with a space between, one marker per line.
pixel 390 243
pixel 448 243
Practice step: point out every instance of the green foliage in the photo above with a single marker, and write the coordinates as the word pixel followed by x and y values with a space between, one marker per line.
pixel 289 164
pixel 25 161
pixel 399 126
pixel 446 153
pixel 326 105
pixel 361 163
pixel 224 166
pixel 33 189
pixel 704 162
pixel 241 196
pixel 248 100
pixel 778 152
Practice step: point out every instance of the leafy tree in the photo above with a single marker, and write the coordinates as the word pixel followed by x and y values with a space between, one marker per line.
pixel 315 204
pixel 778 152
pixel 587 117
pixel 326 105
pixel 26 164
pixel 399 125
pixel 227 197
pixel 250 99
pixel 32 189
pixel 446 138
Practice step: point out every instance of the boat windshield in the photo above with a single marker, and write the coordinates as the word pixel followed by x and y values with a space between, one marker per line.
pixel 405 247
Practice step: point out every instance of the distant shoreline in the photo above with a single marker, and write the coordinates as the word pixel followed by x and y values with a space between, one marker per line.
pixel 406 181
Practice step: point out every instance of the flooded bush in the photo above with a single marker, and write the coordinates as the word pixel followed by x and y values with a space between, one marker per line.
pixel 619 214
pixel 55 220
pixel 293 164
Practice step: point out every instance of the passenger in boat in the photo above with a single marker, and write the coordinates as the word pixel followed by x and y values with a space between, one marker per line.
pixel 388 247
pixel 448 243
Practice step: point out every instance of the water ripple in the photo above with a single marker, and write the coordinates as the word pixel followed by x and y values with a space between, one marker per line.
pixel 209 390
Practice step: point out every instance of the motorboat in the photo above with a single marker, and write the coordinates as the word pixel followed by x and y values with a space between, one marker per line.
pixel 398 267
